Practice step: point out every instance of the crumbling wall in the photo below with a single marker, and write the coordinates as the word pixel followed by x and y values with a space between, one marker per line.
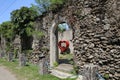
pixel 96 30
pixel 97 40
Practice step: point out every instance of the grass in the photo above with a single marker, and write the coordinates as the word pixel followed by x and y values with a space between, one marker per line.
pixel 66 56
pixel 29 72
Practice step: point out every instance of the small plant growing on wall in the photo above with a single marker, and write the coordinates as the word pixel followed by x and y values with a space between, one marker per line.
pixel 75 69
pixel 106 76
pixel 38 34
pixel 55 64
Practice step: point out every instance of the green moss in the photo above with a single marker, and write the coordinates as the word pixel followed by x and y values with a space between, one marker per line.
pixel 106 76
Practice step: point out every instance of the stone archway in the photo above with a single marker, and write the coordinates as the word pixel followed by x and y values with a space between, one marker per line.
pixel 54 53
pixel 53 44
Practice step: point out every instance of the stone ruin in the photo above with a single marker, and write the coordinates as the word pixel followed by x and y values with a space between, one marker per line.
pixel 96 34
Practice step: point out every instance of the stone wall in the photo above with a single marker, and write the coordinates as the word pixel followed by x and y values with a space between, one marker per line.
pixel 96 33
pixel 99 48
pixel 40 44
pixel 98 39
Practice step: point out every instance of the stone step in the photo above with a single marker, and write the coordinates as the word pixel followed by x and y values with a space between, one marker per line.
pixel 68 68
pixel 61 74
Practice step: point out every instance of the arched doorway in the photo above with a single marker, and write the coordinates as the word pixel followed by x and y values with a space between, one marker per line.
pixel 54 39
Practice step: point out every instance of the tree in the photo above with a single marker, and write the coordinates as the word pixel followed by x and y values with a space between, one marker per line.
pixel 42 6
pixel 23 19
pixel 7 31
pixel 46 5
pixel 56 4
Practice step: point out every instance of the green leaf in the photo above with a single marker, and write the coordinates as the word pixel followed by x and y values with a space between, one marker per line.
pixel 23 19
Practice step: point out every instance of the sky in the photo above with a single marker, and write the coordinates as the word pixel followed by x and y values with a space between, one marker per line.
pixel 7 6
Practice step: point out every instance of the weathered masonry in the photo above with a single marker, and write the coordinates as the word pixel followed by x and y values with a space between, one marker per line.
pixel 96 34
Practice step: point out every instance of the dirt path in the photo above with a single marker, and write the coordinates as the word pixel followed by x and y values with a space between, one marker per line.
pixel 5 74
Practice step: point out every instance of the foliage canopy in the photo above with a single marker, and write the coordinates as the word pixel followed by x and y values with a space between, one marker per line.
pixel 7 30
pixel 47 5
pixel 23 19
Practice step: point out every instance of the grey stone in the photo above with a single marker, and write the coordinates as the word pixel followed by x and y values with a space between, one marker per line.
pixel 103 38
pixel 91 45
pixel 106 27
pixel 89 72
pixel 108 34
pixel 43 67
pixel 80 77
pixel 10 56
pixel 91 29
pixel 98 36
pixel 2 54
pixel 22 60
pixel 112 70
pixel 97 19
pixel 90 57
pixel 106 20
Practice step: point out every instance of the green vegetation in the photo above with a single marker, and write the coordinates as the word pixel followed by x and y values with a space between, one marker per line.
pixel 29 72
pixel 61 29
pixel 23 19
pixel 56 4
pixel 42 6
pixel 7 31
pixel 55 64
pixel 22 24
pixel 106 76
pixel 69 57
pixel 75 69
pixel 66 56
pixel 47 5
pixel 38 34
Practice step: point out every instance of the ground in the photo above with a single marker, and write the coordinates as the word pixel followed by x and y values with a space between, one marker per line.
pixel 6 74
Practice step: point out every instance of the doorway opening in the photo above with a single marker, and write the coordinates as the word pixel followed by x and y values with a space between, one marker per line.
pixel 61 32
pixel 65 37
